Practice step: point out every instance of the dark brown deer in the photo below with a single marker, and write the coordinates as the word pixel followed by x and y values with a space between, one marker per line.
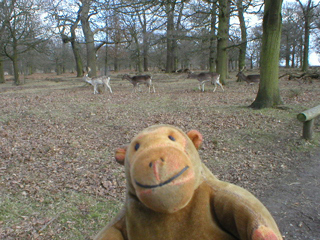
pixel 214 78
pixel 141 79
pixel 250 79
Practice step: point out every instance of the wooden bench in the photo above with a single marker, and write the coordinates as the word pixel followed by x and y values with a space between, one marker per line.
pixel 307 117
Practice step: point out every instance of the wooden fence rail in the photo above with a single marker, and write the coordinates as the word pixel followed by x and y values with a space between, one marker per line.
pixel 307 117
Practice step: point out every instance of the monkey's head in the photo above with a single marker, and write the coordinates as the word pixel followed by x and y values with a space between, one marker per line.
pixel 162 167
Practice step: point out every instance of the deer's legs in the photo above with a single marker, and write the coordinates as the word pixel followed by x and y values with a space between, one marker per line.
pixel 220 85
pixel 215 87
pixel 95 90
pixel 107 85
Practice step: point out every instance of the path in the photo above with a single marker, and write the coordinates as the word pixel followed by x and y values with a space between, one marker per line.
pixel 295 201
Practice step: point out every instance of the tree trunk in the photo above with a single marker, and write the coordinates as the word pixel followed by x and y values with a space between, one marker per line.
pixel 243 46
pixel 2 79
pixel 212 46
pixel 15 62
pixel 301 52
pixel 115 63
pixel 308 15
pixel 287 51
pixel 170 38
pixel 305 60
pixel 76 52
pixel 138 57
pixel 106 61
pixel 223 36
pixel 268 94
pixel 89 38
pixel 293 60
pixel 145 51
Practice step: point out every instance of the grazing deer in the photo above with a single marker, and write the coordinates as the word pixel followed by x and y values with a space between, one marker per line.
pixel 250 79
pixel 214 78
pixel 183 70
pixel 103 80
pixel 141 79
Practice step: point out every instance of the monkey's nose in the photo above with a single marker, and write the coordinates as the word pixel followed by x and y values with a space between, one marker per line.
pixel 153 162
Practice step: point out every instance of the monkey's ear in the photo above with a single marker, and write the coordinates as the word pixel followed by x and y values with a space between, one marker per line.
pixel 196 138
pixel 121 154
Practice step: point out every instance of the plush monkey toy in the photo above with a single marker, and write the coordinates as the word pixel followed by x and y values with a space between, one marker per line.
pixel 172 195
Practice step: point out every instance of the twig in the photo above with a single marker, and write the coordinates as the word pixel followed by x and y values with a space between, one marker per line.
pixel 48 223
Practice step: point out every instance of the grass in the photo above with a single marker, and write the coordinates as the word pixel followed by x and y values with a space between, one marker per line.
pixel 74 215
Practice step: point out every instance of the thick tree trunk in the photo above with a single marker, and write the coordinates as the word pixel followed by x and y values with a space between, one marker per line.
pixel 223 36
pixel 77 57
pixel 268 94
pixel 89 38
pixel 243 46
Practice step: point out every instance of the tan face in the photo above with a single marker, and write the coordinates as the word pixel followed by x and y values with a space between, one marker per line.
pixel 161 168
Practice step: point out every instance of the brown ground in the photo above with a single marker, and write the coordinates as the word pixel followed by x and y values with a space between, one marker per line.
pixel 58 179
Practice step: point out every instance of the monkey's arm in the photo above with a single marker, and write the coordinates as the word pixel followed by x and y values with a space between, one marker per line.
pixel 115 230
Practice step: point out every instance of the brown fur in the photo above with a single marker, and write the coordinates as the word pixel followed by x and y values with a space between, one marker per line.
pixel 171 195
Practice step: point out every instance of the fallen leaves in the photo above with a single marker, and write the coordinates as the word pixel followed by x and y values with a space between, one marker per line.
pixel 58 140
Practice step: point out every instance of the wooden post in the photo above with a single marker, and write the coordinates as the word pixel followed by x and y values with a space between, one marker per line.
pixel 307 129
pixel 307 117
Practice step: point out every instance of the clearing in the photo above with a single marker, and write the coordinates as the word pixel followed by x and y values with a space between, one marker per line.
pixel 59 180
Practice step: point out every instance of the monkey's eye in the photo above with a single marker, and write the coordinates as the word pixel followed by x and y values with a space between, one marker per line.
pixel 136 147
pixel 172 138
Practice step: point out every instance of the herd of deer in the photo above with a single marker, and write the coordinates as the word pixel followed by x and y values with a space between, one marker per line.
pixel 136 81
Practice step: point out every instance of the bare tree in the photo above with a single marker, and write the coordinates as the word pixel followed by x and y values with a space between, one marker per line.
pixel 292 34
pixel 142 23
pixel 2 39
pixel 67 24
pixel 308 11
pixel 174 13
pixel 22 26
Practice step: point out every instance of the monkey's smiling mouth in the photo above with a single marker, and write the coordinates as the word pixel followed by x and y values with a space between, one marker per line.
pixel 165 182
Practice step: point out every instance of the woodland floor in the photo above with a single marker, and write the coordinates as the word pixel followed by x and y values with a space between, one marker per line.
pixel 59 180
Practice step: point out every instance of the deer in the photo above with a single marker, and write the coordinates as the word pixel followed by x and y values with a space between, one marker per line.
pixel 102 80
pixel 250 79
pixel 183 70
pixel 214 78
pixel 140 79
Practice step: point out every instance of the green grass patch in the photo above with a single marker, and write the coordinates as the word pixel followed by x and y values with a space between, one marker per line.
pixel 67 215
